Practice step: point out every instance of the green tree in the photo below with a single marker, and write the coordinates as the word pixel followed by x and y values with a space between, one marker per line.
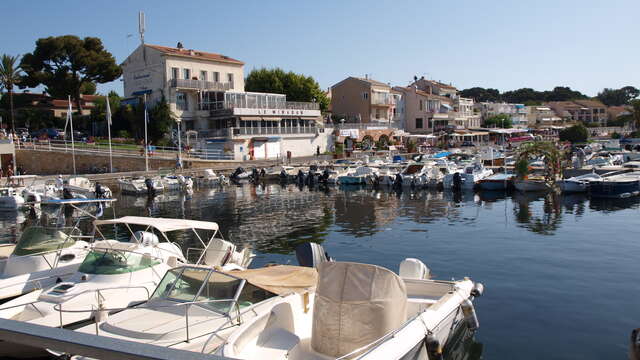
pixel 67 65
pixel 562 93
pixel 618 97
pixel 161 120
pixel 479 94
pixel 500 120
pixel 10 77
pixel 575 134
pixel 297 87
pixel 636 111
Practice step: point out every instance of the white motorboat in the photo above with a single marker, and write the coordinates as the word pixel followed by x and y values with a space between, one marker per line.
pixel 10 199
pixel 468 178
pixel 210 178
pixel 82 187
pixel 176 183
pixel 361 175
pixel 578 183
pixel 42 256
pixel 415 175
pixel 386 174
pixel 35 194
pixel 360 311
pixel 196 308
pixel 116 274
pixel 140 185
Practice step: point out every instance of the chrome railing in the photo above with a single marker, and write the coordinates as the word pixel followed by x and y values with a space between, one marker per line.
pixel 200 84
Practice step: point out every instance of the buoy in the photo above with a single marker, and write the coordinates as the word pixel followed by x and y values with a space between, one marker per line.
pixel 470 314
pixel 434 348
pixel 478 289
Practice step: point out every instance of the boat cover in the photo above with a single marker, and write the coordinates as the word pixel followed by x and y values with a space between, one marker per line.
pixel 281 279
pixel 355 305
pixel 162 224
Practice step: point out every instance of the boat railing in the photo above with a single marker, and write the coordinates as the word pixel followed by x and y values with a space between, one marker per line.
pixel 99 297
pixel 233 319
pixel 57 251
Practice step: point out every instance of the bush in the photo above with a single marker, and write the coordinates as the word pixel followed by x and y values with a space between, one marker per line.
pixel 339 148
pixel 576 134
pixel 124 134
pixel 615 135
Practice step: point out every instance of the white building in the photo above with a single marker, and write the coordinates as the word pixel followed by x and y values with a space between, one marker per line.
pixel 518 113
pixel 206 91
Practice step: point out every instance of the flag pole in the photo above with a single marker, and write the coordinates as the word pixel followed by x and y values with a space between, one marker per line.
pixel 146 144
pixel 73 147
pixel 109 132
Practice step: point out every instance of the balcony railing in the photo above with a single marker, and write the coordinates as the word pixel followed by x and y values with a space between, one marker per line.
pixel 200 84
pixel 274 130
pixel 377 99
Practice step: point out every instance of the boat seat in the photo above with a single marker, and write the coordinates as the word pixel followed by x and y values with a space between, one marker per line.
pixel 273 333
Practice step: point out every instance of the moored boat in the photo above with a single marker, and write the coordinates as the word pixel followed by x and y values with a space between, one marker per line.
pixel 617 186
pixel 500 181
pixel 532 184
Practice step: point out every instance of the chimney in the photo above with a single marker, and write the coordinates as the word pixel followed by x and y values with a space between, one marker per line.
pixel 179 46
pixel 191 52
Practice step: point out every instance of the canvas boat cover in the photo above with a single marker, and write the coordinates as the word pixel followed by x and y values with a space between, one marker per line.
pixel 281 279
pixel 162 224
pixel 355 305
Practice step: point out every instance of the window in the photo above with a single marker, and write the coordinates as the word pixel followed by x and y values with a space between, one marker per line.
pixel 181 101
pixel 365 95
pixel 230 77
pixel 174 73
pixel 203 75
pixel 186 73
pixel 418 123
pixel 430 123
pixel 216 76
pixel 420 105
pixel 377 113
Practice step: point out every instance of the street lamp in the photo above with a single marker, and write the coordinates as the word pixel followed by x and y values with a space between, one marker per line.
pixel 178 121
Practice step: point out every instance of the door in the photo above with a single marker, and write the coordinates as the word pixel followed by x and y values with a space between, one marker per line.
pixel 259 150
pixel 273 149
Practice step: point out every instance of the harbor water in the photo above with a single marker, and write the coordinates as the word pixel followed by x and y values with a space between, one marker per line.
pixel 559 271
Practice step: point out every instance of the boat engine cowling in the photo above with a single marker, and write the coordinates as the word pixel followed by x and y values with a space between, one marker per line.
pixel 411 268
pixel 145 238
pixel 311 254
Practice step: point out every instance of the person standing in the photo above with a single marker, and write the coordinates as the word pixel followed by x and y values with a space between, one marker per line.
pixel 318 150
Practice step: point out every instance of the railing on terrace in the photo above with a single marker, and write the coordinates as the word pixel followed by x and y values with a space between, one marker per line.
pixel 274 130
pixel 200 84
pixel 122 150
pixel 379 99
pixel 365 126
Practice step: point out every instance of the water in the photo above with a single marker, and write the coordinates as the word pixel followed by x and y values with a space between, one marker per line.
pixel 559 271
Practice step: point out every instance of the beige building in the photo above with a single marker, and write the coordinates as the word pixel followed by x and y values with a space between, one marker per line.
pixel 363 100
pixel 424 112
pixel 206 91
pixel 586 111
pixel 540 116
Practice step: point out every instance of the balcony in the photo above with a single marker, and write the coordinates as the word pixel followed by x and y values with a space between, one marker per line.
pixel 273 130
pixel 382 99
pixel 200 85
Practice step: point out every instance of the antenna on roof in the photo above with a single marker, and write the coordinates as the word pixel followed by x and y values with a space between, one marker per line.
pixel 141 26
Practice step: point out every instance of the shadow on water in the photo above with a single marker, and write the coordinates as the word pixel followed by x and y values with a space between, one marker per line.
pixel 538 212
pixel 463 345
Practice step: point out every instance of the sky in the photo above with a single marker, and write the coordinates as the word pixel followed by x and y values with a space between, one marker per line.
pixel 587 45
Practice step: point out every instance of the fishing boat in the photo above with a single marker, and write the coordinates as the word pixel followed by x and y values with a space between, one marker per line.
pixel 617 186
pixel 578 183
pixel 196 307
pixel 500 181
pixel 360 311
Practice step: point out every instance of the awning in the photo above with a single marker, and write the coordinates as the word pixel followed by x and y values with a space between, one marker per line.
pixel 281 279
pixel 447 106
pixel 162 224
pixel 142 92
pixel 250 118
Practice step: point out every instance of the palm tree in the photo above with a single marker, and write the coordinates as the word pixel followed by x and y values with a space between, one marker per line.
pixel 10 76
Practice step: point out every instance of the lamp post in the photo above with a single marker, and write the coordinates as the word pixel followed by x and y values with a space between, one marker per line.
pixel 178 121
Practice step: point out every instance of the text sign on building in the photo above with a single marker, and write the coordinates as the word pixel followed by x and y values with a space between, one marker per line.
pixel 350 133
pixel 275 112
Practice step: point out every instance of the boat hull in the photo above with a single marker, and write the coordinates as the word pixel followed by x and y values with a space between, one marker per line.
pixel 615 189
pixel 531 185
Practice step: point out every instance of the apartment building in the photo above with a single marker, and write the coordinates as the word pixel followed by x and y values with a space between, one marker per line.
pixel 517 112
pixel 587 111
pixel 206 92
pixel 540 116
pixel 57 107
pixel 424 112
pixel 363 100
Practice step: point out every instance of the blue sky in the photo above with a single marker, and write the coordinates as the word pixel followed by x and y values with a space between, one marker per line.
pixel 587 45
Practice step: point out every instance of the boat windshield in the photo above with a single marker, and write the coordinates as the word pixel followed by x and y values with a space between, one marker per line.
pixel 200 285
pixel 114 262
pixel 38 240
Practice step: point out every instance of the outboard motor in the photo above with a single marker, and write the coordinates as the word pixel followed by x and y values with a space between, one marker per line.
pixel 150 189
pixel 397 182
pixel 66 193
pixel 311 178
pixel 325 176
pixel 263 173
pixel 457 181
pixel 311 254
pixel 300 177
pixel 237 172
pixel 255 175
pixel 99 191
pixel 283 175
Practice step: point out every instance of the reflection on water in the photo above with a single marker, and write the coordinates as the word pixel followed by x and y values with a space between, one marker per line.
pixel 535 246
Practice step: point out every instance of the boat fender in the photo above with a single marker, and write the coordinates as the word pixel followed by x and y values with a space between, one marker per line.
pixel 470 314
pixel 478 289
pixel 100 314
pixel 434 348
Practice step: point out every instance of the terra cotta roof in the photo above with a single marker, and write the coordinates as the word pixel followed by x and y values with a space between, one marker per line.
pixel 196 54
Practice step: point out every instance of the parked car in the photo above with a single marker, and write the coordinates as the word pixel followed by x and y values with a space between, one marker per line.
pixel 49 133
